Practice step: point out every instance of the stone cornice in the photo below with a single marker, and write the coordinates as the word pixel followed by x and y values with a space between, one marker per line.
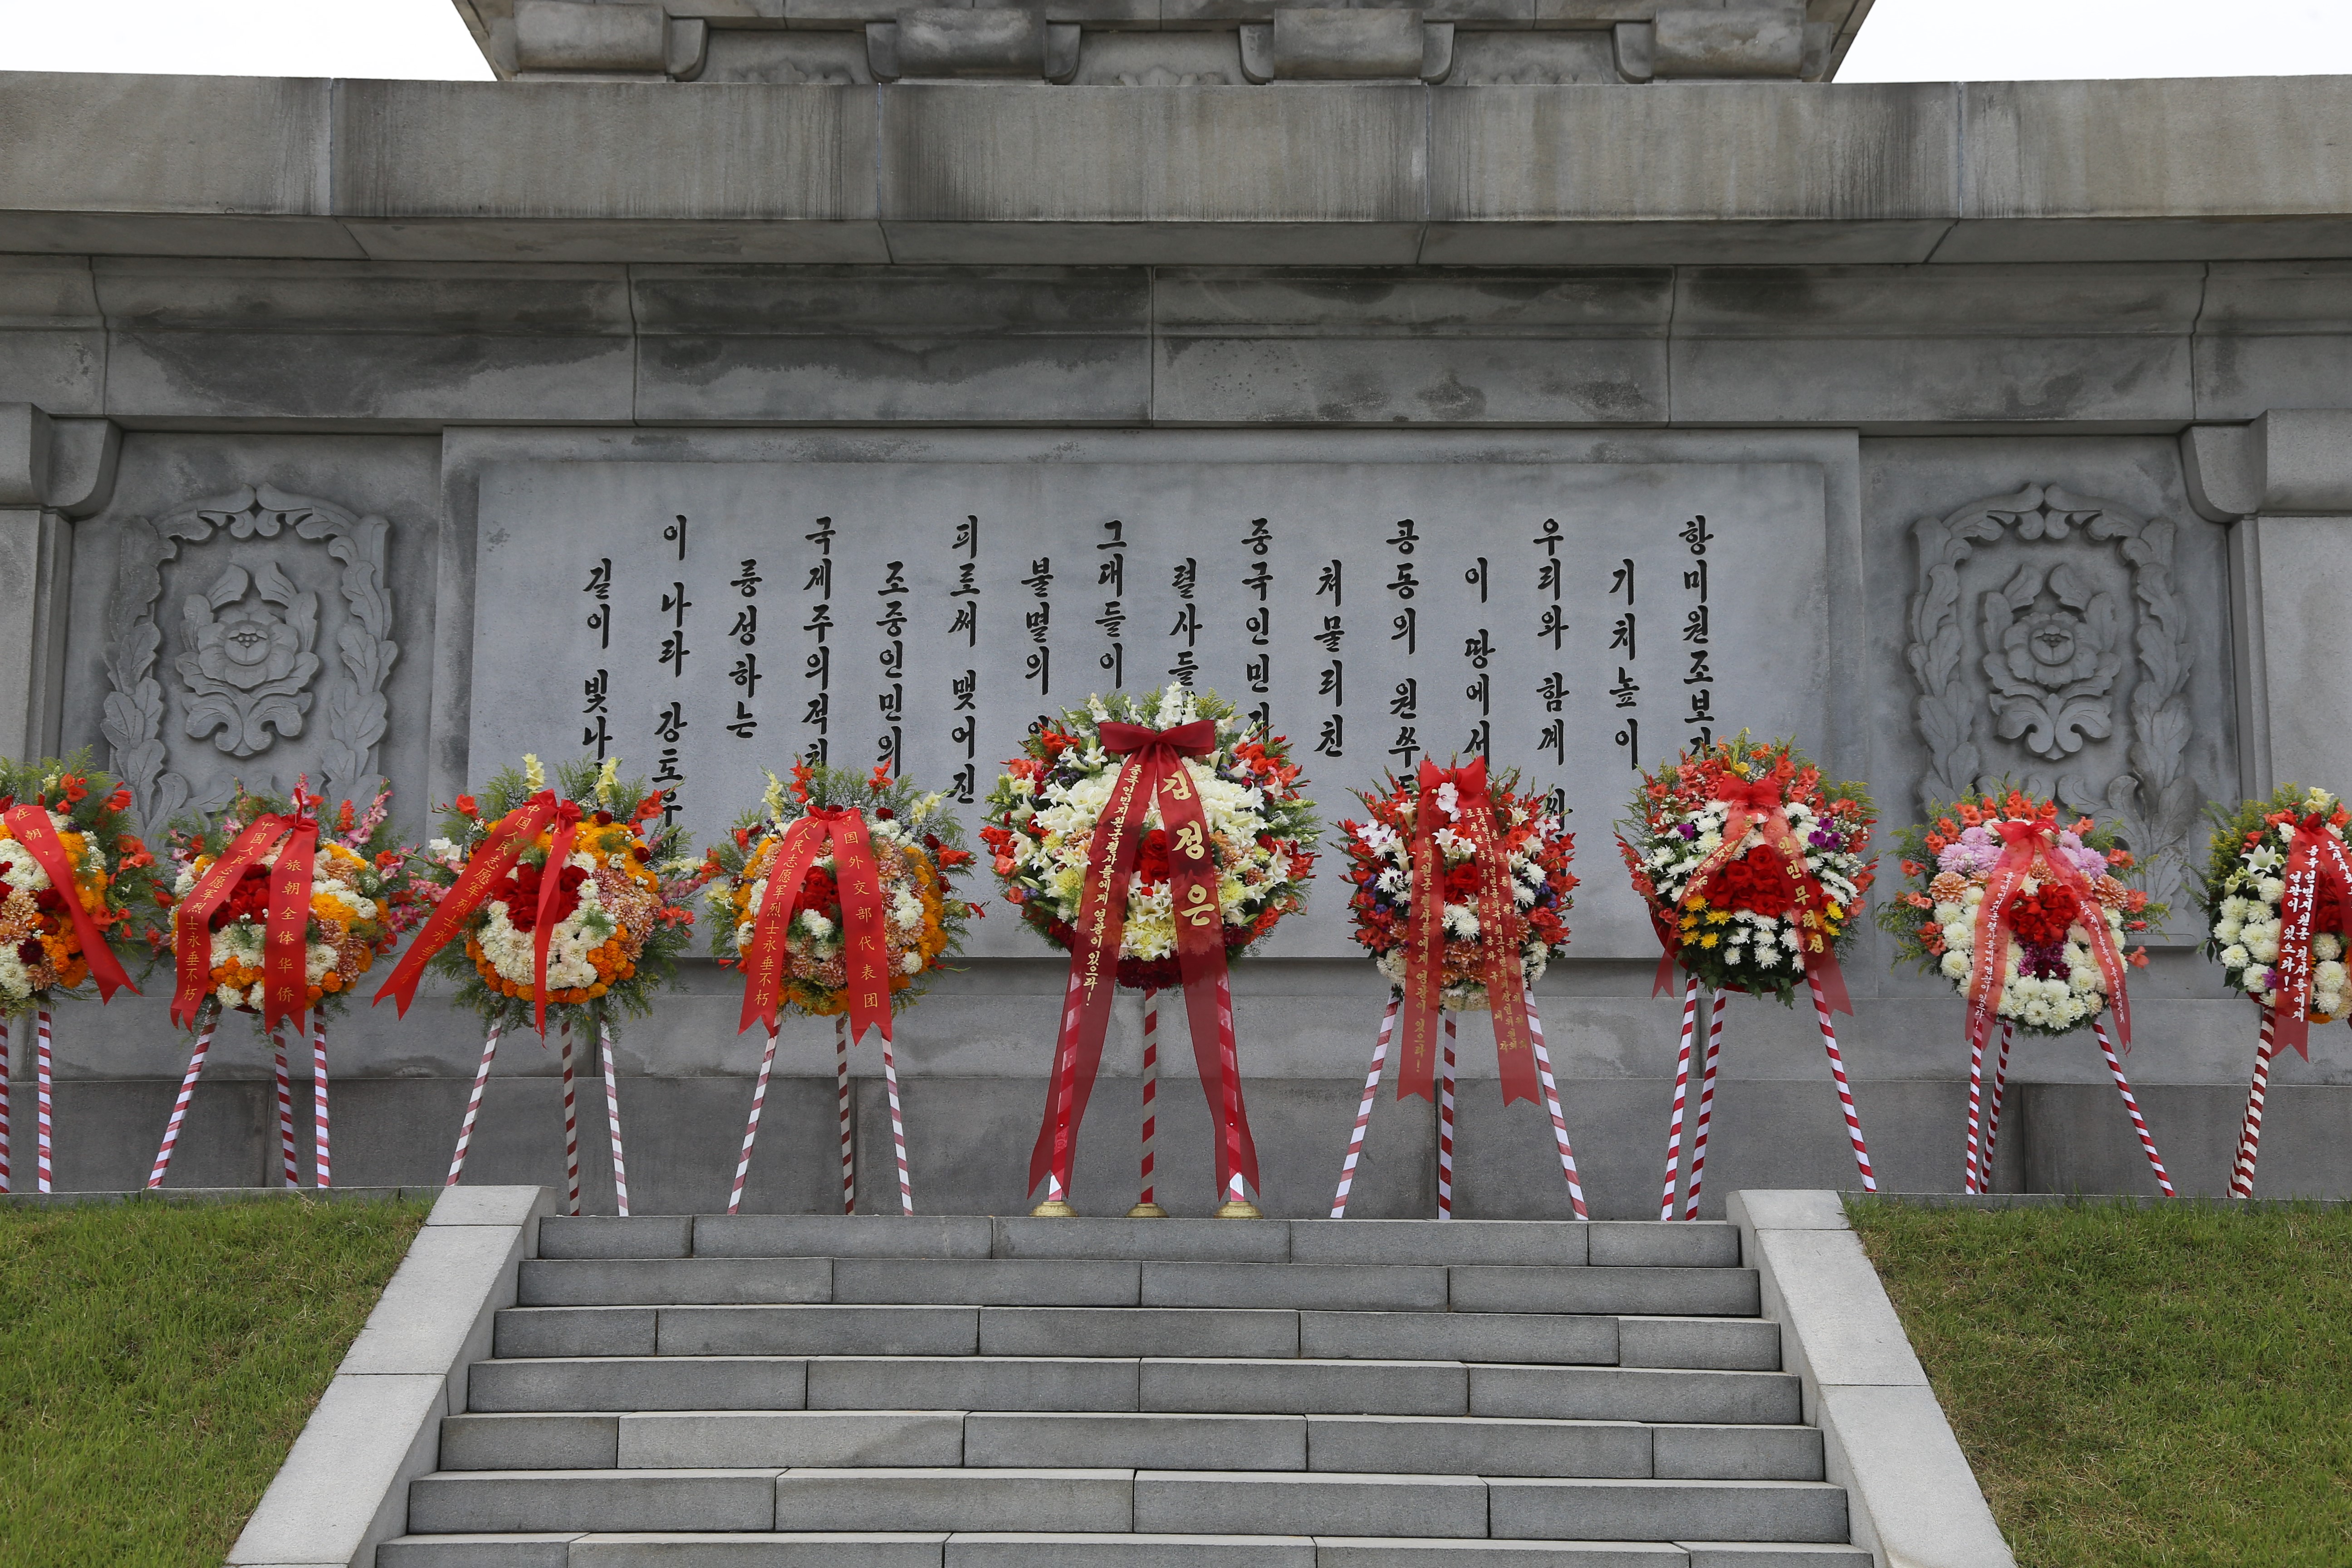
pixel 1346 174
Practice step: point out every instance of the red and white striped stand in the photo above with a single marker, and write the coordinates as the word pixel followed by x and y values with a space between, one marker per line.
pixel 751 1128
pixel 842 1109
pixel 1682 1092
pixel 291 1167
pixel 1715 1015
pixel 1445 1124
pixel 2250 1131
pixel 1147 1206
pixel 1364 1110
pixel 2000 1094
pixel 1707 1095
pixel 187 1091
pixel 474 1109
pixel 323 1162
pixel 612 1119
pixel 897 1129
pixel 1446 1115
pixel 42 1073
pixel 4 1104
pixel 2122 1086
pixel 473 1105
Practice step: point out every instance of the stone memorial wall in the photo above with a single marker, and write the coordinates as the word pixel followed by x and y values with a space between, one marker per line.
pixel 1410 447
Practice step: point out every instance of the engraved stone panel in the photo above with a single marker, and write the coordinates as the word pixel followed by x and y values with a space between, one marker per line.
pixel 707 620
pixel 2050 650
pixel 251 639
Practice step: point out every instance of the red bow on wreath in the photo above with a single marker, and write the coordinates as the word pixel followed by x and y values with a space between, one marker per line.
pixel 29 824
pixel 1499 936
pixel 1154 771
pixel 1769 880
pixel 485 870
pixel 286 945
pixel 2031 849
pixel 2319 877
pixel 865 953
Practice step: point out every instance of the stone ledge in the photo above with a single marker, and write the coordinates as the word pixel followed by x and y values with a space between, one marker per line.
pixel 1759 172
pixel 343 1490
pixel 1910 1495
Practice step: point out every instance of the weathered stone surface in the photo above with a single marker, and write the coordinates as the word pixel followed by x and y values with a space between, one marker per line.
pixel 1749 40
pixel 592 172
pixel 1450 347
pixel 2084 171
pixel 1295 176
pixel 1597 175
pixel 725 345
pixel 282 340
pixel 1935 344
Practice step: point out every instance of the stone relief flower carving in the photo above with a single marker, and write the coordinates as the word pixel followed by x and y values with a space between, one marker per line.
pixel 2052 648
pixel 2052 668
pixel 248 666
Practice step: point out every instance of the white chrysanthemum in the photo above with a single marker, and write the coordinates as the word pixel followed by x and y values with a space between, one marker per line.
pixel 2324 945
pixel 1956 963
pixel 2235 956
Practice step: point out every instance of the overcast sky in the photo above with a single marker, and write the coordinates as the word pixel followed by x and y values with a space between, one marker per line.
pixel 1905 40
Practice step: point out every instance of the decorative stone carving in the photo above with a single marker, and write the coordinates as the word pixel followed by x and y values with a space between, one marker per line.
pixel 250 668
pixel 251 598
pixel 2059 672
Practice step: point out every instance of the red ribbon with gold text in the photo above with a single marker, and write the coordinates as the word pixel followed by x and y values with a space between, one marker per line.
pixel 1499 935
pixel 1153 771
pixel 485 870
pixel 285 934
pixel 2025 844
pixel 1758 804
pixel 31 828
pixel 865 953
pixel 2316 863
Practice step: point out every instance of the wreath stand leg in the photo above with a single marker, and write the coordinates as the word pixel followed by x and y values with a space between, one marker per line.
pixel 2250 1131
pixel 187 1091
pixel 473 1105
pixel 322 1159
pixel 570 1128
pixel 1445 1124
pixel 1682 1089
pixel 1364 1110
pixel 612 1119
pixel 2000 1093
pixel 1236 1205
pixel 751 1128
pixel 898 1129
pixel 842 1112
pixel 3 1103
pixel 1845 1089
pixel 1968 1165
pixel 2140 1123
pixel 1551 1104
pixel 42 1073
pixel 291 1166
pixel 1145 1206
pixel 1715 1009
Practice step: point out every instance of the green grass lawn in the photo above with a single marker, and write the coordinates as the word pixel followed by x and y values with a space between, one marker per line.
pixel 158 1358
pixel 2161 1385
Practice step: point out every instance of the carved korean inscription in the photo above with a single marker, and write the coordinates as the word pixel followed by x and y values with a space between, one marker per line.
pixel 1573 621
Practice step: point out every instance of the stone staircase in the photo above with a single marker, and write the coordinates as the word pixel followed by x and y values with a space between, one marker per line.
pixel 958 1392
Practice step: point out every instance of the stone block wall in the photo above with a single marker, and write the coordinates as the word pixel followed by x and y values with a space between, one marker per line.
pixel 360 304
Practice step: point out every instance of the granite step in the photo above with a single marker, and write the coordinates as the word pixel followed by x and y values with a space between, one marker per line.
pixel 827 1329
pixel 1207 1384
pixel 1010 1550
pixel 1102 1501
pixel 1580 1289
pixel 1450 1445
pixel 1609 1243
